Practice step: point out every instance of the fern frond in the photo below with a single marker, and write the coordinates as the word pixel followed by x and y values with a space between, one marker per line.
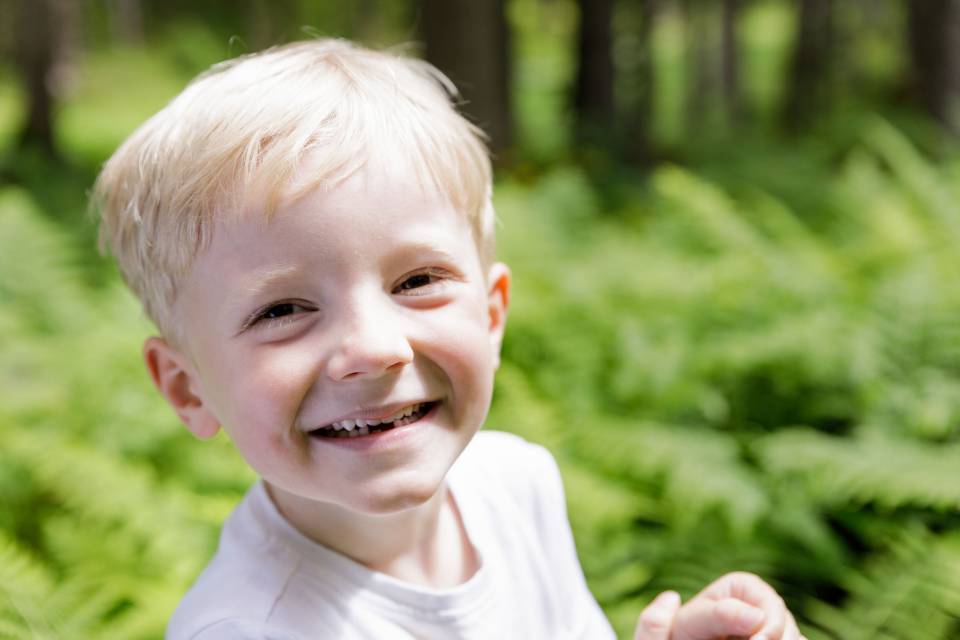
pixel 678 460
pixel 911 592
pixel 921 180
pixel 37 272
pixel 25 584
pixel 889 473
pixel 711 210
pixel 123 496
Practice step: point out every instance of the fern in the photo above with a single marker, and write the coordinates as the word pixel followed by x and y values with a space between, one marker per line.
pixel 888 473
pixel 675 461
pixel 909 592
pixel 24 583
pixel 921 181
pixel 730 379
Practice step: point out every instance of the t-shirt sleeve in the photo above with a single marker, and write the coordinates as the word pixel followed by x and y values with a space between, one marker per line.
pixel 550 509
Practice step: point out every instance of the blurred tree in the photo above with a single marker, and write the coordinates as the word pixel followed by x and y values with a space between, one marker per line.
pixel 469 41
pixel 47 41
pixel 126 20
pixel 713 61
pixel 35 55
pixel 933 28
pixel 641 77
pixel 269 22
pixel 809 81
pixel 593 89
pixel 7 10
pixel 701 73
pixel 730 61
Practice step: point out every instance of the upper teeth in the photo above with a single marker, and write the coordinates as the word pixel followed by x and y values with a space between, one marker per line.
pixel 350 424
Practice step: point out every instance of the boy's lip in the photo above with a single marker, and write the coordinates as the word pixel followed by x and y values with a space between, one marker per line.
pixel 374 413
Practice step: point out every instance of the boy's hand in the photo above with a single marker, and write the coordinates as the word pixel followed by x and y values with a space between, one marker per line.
pixel 737 605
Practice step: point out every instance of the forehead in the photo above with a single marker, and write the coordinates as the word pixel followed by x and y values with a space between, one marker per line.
pixel 371 212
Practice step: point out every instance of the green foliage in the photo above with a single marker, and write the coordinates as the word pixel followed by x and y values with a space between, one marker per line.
pixel 753 363
pixel 730 377
pixel 776 384
pixel 100 533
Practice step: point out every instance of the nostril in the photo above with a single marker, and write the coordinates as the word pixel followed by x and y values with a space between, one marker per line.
pixel 344 366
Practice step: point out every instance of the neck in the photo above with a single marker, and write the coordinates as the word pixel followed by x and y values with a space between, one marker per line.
pixel 426 544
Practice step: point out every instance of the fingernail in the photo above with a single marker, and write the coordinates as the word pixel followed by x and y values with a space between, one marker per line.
pixel 667 599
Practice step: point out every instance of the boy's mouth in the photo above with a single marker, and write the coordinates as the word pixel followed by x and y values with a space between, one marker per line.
pixel 360 428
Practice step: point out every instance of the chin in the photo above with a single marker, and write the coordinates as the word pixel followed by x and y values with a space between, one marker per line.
pixel 399 496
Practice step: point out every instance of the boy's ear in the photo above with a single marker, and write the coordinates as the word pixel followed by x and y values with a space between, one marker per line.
pixel 178 382
pixel 498 299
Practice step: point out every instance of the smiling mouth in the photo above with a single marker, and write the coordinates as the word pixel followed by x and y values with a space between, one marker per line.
pixel 360 428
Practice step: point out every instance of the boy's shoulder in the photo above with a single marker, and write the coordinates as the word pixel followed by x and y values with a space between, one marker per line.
pixel 511 480
pixel 512 465
pixel 502 451
pixel 234 595
pixel 253 578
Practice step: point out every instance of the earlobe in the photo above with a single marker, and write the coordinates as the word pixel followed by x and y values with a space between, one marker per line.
pixel 176 381
pixel 498 299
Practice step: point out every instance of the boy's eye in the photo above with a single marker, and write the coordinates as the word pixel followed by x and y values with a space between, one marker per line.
pixel 420 280
pixel 281 312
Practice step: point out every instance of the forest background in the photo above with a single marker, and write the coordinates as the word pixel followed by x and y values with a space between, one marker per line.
pixel 734 229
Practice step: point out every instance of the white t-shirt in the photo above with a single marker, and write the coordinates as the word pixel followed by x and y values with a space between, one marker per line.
pixel 268 581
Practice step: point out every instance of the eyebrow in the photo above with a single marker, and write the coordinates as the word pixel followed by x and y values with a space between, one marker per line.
pixel 427 248
pixel 265 279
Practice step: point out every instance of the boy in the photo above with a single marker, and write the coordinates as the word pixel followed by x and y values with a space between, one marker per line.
pixel 310 228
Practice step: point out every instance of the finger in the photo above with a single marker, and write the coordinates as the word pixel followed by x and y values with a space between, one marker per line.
pixel 741 585
pixel 752 590
pixel 775 620
pixel 704 619
pixel 790 630
pixel 656 620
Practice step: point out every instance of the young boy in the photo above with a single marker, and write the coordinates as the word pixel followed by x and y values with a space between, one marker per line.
pixel 311 230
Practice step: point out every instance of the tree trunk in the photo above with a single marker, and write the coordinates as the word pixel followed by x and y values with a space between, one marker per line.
pixel 934 42
pixel 730 72
pixel 593 92
pixel 126 21
pixel 469 41
pixel 702 63
pixel 8 47
pixel 809 87
pixel 641 127
pixel 35 53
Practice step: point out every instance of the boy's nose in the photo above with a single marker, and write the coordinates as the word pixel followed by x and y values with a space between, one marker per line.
pixel 371 344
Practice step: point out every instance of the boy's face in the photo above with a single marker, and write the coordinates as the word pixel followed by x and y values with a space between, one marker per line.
pixel 365 302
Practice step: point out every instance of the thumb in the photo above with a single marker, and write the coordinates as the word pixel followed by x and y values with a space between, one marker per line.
pixel 657 619
pixel 704 619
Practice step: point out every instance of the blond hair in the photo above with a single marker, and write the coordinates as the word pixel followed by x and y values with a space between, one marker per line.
pixel 246 126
